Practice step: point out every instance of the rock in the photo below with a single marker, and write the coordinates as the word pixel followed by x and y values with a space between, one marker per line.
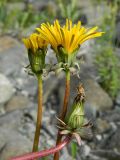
pixel 18 145
pixel 11 120
pixel 50 57
pixel 86 52
pixel 2 110
pixel 27 129
pixel 94 157
pixel 108 154
pixel 113 115
pixel 86 150
pixel 7 135
pixel 113 143
pixel 14 56
pixel 90 111
pixel 50 130
pixel 4 135
pixel 17 102
pixel 99 137
pixel 7 42
pixel 33 113
pixel 102 126
pixel 26 84
pixel 96 96
pixel 6 89
pixel 50 84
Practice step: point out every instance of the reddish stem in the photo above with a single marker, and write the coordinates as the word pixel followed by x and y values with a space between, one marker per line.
pixel 44 153
pixel 64 110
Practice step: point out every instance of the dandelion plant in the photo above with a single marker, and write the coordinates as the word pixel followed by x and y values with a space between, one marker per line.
pixel 65 41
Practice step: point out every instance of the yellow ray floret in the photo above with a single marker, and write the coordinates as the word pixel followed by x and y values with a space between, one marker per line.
pixel 34 42
pixel 69 36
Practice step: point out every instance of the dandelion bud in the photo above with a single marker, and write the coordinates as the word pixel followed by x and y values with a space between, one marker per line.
pixel 76 117
pixel 36 52
pixel 37 60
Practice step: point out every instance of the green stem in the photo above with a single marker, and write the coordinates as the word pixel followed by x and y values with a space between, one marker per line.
pixel 64 109
pixel 39 114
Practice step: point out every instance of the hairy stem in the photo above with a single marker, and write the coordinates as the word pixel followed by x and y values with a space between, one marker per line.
pixel 39 115
pixel 64 110
pixel 44 153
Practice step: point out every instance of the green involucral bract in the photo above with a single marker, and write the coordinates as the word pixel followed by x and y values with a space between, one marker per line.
pixel 65 57
pixel 37 60
pixel 75 118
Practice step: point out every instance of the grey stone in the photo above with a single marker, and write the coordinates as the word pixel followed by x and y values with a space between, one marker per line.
pixel 4 135
pixel 99 137
pixel 18 145
pixel 90 111
pixel 50 57
pixel 29 84
pixel 17 102
pixel 108 154
pixel 14 56
pixel 96 96
pixel 94 157
pixel 27 129
pixel 50 84
pixel 6 89
pixel 113 115
pixel 86 150
pixel 2 110
pixel 11 120
pixel 33 113
pixel 102 126
pixel 7 42
pixel 86 52
pixel 113 143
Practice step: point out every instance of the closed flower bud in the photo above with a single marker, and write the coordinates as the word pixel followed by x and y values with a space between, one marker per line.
pixel 37 60
pixel 37 48
pixel 76 116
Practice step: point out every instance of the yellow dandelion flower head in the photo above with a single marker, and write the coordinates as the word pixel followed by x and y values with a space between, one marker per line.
pixel 70 36
pixel 34 42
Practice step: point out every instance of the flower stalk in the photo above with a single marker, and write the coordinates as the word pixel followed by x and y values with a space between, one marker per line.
pixel 39 114
pixel 66 96
pixel 64 110
pixel 45 152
